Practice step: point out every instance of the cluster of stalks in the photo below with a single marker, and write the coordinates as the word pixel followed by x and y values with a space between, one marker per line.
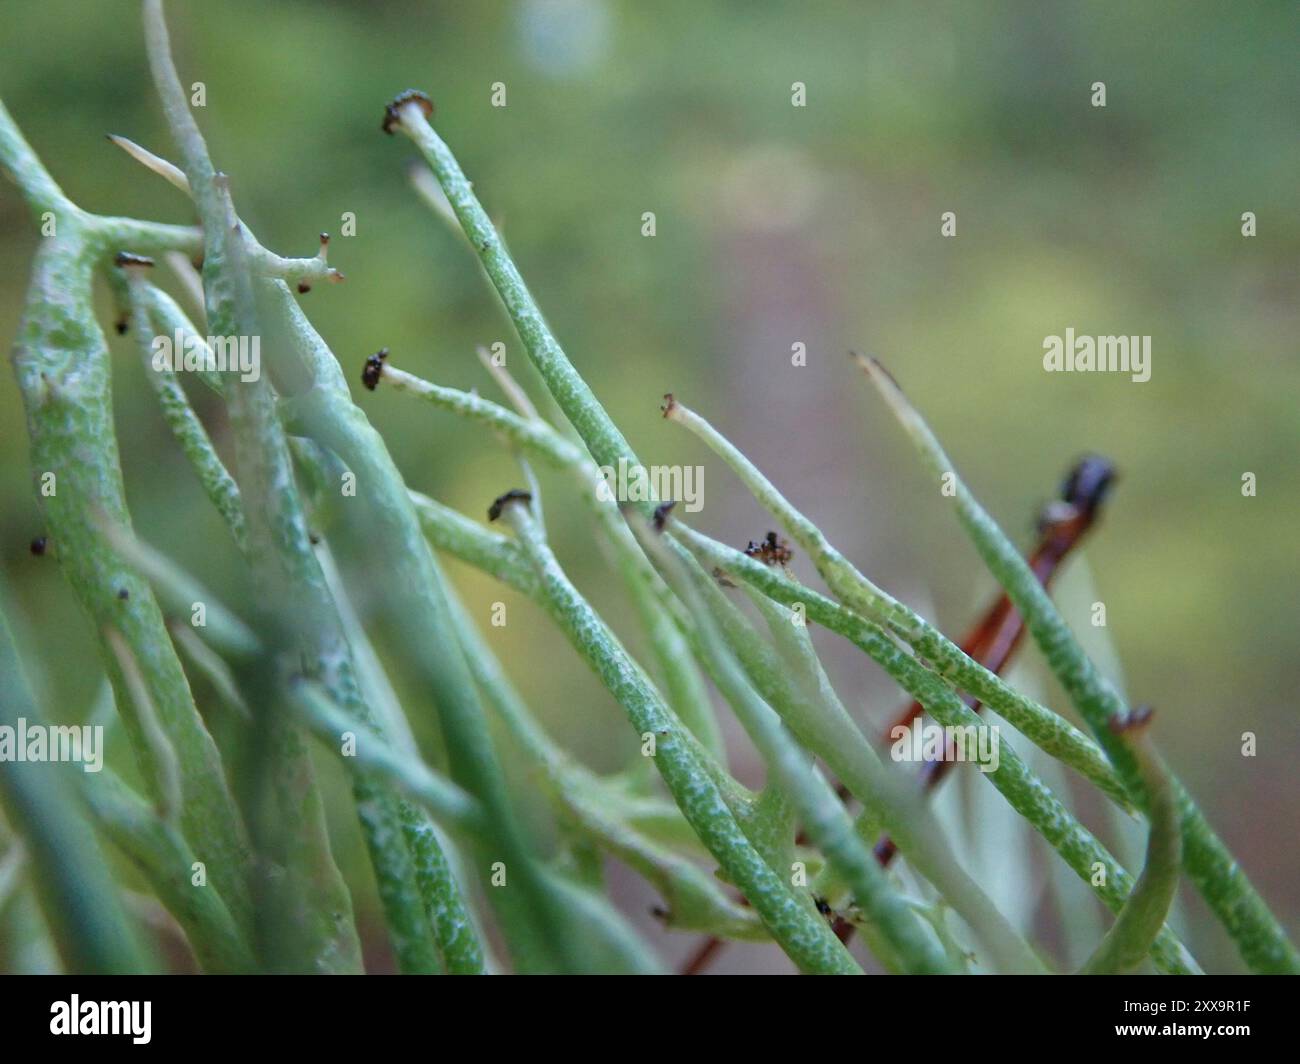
pixel 247 873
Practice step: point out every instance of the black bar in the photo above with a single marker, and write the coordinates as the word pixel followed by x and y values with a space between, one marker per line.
pixel 390 1014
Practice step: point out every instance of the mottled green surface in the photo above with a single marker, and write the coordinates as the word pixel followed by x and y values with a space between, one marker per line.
pixel 775 225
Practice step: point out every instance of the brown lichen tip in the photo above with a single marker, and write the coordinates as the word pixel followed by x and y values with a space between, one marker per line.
pixel 502 501
pixel 670 404
pixel 374 368
pixel 123 259
pixel 38 545
pixel 771 551
pixel 323 256
pixel 392 113
pixel 1135 720
pixel 871 362
pixel 1082 495
pixel 1089 482
pixel 303 288
pixel 661 514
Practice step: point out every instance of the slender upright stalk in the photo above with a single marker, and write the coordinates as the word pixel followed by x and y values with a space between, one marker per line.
pixel 667 627
pixel 77 891
pixel 1211 867
pixel 1022 788
pixel 813 799
pixel 302 614
pixel 1138 924
pixel 796 925
pixel 603 439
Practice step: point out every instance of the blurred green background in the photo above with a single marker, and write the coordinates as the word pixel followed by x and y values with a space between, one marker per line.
pixel 775 225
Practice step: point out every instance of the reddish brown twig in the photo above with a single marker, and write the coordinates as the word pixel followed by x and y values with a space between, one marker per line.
pixel 1061 527
pixel 699 960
